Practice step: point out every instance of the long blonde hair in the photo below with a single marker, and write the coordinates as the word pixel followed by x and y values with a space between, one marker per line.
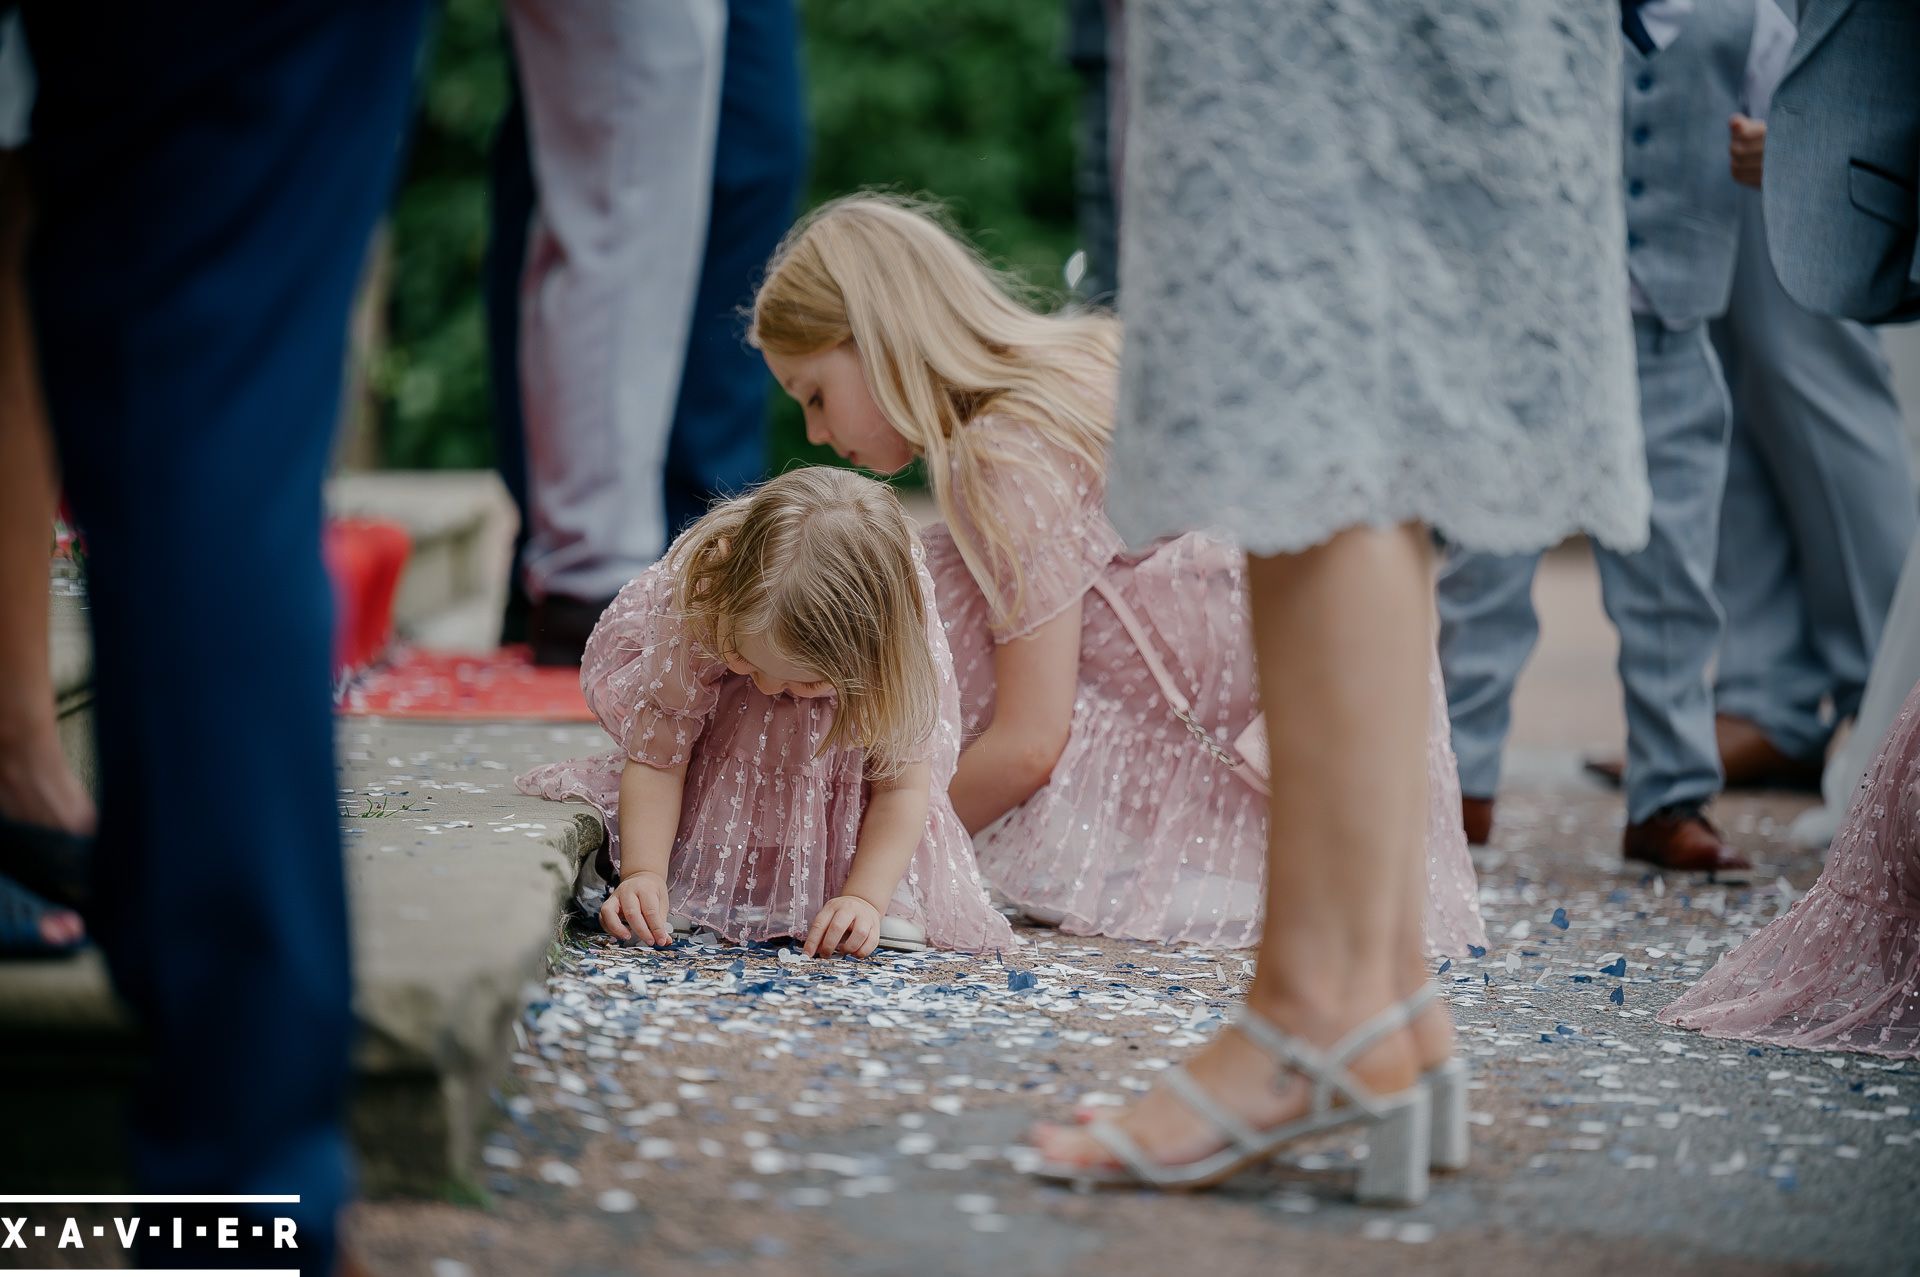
pixel 820 562
pixel 943 338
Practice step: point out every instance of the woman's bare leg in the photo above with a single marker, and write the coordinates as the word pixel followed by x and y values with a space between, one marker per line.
pixel 1342 634
pixel 36 784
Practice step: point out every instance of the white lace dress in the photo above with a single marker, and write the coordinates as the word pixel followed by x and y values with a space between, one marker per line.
pixel 1373 269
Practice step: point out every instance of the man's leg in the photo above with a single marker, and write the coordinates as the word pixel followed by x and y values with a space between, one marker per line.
pixel 1768 672
pixel 209 176
pixel 1487 631
pixel 719 440
pixel 1661 598
pixel 1816 396
pixel 622 101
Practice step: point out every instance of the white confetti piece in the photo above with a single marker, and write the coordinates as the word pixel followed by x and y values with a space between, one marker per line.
pixel 617 1201
pixel 560 1173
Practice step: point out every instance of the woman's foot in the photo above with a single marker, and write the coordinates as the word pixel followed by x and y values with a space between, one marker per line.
pixel 1247 1081
pixel 32 928
pixel 47 818
pixel 1431 1036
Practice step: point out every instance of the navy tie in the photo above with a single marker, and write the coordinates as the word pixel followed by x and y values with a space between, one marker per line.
pixel 1635 29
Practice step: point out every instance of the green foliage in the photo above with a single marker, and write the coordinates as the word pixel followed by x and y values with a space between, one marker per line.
pixel 969 101
pixel 431 379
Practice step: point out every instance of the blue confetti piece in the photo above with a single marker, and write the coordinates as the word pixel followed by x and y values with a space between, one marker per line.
pixel 1560 919
pixel 1546 1037
pixel 1582 979
pixel 1754 1050
pixel 1445 967
pixel 1618 997
pixel 1018 981
pixel 1476 951
pixel 1565 1030
pixel 738 968
pixel 1616 968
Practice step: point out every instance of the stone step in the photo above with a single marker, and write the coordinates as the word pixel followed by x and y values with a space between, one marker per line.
pixel 453 916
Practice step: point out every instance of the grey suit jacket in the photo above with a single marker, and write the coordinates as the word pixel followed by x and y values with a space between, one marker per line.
pixel 1842 172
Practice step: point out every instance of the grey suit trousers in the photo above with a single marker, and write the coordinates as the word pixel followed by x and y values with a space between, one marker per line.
pixel 1819 511
pixel 623 104
pixel 1661 599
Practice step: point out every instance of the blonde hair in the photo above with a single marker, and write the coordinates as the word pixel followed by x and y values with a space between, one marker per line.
pixel 820 563
pixel 943 338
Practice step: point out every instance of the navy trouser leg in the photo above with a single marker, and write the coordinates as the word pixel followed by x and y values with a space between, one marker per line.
pixel 719 439
pixel 209 177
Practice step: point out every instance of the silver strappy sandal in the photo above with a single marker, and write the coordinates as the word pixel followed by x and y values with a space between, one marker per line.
pixel 1394 1174
pixel 1447 1092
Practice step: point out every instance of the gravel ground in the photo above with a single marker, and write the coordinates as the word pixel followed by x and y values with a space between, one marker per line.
pixel 738 1111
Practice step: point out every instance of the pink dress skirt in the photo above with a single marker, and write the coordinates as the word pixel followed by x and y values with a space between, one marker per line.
pixel 1141 833
pixel 1841 970
pixel 768 823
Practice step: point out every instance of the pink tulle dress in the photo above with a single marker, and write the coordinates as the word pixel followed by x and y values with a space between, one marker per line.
pixel 1141 833
pixel 767 828
pixel 1841 970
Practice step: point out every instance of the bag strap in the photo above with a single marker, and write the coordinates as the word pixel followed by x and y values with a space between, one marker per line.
pixel 1137 632
pixel 1176 699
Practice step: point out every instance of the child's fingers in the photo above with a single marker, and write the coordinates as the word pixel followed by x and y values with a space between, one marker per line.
pixel 816 931
pixel 869 940
pixel 610 919
pixel 841 918
pixel 857 935
pixel 636 915
pixel 652 908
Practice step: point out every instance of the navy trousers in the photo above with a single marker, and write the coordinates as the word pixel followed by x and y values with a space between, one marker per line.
pixel 718 443
pixel 209 176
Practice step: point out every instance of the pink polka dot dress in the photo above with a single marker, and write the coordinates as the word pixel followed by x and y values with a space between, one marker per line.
pixel 1141 832
pixel 768 823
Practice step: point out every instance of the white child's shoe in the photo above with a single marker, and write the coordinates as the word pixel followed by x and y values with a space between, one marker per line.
pixel 902 936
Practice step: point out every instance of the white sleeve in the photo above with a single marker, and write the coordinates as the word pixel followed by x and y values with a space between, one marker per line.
pixel 1773 36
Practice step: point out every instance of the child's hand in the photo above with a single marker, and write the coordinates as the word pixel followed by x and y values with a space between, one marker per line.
pixel 845 924
pixel 1746 149
pixel 638 908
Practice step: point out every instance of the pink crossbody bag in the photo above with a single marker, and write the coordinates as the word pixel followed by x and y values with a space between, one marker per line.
pixel 1247 756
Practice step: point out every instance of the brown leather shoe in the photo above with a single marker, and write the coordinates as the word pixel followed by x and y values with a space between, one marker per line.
pixel 1751 761
pixel 1748 759
pixel 1681 839
pixel 1477 815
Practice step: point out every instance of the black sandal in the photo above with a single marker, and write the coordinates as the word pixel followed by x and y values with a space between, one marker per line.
pixel 21 915
pixel 50 863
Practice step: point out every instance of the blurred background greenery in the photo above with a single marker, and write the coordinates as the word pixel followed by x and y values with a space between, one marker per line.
pixel 970 101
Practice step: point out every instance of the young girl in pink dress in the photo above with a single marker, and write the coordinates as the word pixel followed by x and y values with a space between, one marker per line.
pixel 1113 771
pixel 783 699
pixel 1841 971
